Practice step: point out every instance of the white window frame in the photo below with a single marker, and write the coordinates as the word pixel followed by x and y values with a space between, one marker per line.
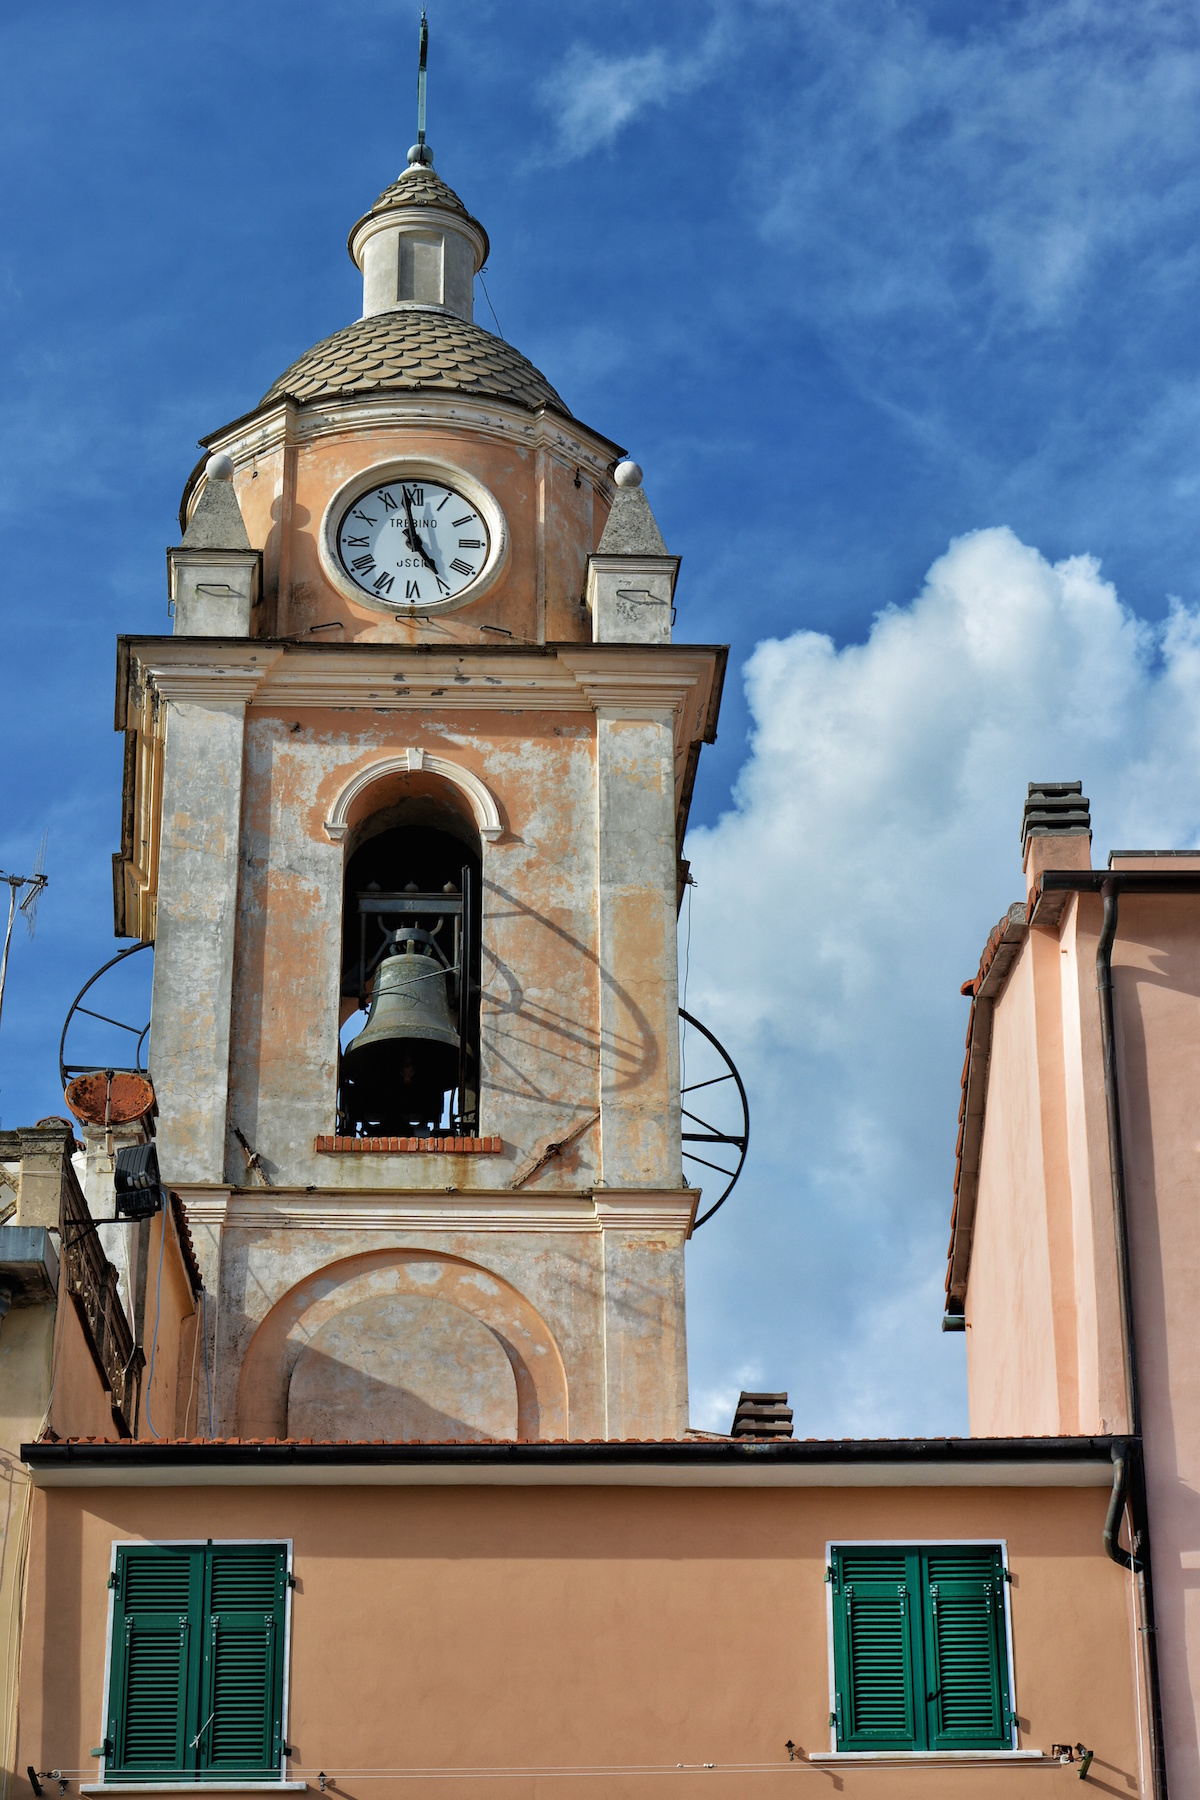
pixel 197 1787
pixel 922 1543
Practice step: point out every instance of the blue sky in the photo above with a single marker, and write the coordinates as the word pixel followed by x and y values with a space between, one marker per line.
pixel 855 283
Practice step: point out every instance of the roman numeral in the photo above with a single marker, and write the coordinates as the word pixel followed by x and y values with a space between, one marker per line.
pixel 365 517
pixel 363 564
pixel 442 503
pixel 464 568
pixel 411 591
pixel 418 496
pixel 389 505
pixel 383 584
pixel 470 543
pixel 351 542
pixel 465 520
pixel 441 584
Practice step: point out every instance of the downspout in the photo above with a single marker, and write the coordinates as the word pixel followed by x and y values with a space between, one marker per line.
pixel 1128 1467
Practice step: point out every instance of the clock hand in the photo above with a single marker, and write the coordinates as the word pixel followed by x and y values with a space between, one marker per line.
pixel 410 532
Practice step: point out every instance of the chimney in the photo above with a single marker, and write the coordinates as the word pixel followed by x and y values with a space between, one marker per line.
pixel 762 1416
pixel 1056 830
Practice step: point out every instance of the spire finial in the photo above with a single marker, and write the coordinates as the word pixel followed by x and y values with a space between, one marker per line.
pixel 420 152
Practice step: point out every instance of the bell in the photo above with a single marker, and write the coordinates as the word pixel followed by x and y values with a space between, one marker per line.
pixel 398 1068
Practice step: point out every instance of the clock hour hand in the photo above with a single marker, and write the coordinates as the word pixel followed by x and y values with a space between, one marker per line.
pixel 410 533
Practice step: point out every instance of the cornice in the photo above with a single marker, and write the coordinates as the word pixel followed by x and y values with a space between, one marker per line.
pixel 633 1209
pixel 417 220
pixel 287 422
pixel 489 1210
pixel 631 681
pixel 208 670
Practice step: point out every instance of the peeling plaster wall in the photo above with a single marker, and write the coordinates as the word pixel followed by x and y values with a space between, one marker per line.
pixel 578 1006
pixel 197 914
pixel 539 1009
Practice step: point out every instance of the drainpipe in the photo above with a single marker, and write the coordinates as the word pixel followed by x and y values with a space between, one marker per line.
pixel 1128 1466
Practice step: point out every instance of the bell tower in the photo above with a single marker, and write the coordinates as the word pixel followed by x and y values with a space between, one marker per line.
pixel 404 799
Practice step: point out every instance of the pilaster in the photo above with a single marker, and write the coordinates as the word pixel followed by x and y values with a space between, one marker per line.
pixel 645 1334
pixel 197 914
pixel 639 1049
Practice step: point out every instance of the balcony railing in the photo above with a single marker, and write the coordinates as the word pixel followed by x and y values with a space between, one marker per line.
pixel 92 1284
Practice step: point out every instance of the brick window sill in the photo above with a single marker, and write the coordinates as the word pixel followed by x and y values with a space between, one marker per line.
pixel 329 1145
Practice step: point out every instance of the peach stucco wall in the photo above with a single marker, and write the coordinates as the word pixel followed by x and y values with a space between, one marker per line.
pixel 622 1629
pixel 1043 1340
pixel 1042 1301
pixel 1156 979
pixel 1010 1307
pixel 548 480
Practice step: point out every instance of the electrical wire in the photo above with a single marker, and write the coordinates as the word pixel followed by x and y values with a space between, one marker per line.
pixel 1136 1649
pixel 16 1600
pixel 687 963
pixel 529 1772
pixel 491 308
pixel 162 1242
pixel 187 1411
pixel 207 1375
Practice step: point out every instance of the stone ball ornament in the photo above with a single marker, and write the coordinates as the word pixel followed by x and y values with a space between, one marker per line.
pixel 219 467
pixel 627 474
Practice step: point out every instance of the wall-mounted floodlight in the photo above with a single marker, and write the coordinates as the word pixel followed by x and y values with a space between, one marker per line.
pixel 137 1182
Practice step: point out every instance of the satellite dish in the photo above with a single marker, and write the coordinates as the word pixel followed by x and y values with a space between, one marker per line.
pixel 110 1097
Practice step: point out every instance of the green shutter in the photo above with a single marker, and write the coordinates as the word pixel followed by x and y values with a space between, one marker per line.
pixel 920 1648
pixel 875 1614
pixel 241 1700
pixel 154 1658
pixel 966 1662
pixel 196 1676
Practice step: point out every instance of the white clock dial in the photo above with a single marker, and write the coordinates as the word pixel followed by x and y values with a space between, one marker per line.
pixel 412 543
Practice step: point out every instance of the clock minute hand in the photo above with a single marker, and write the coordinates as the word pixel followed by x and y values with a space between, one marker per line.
pixel 410 532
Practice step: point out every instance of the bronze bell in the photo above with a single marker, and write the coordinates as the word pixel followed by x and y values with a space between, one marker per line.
pixel 405 1057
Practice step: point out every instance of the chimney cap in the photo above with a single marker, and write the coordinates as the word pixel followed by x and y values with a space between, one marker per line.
pixel 1055 808
pixel 762 1415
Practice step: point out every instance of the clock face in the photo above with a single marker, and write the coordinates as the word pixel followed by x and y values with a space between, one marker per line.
pixel 412 543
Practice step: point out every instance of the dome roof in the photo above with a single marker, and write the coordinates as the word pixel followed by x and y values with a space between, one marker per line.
pixel 414 348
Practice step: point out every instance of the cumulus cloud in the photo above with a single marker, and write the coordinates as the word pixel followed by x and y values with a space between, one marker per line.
pixel 841 903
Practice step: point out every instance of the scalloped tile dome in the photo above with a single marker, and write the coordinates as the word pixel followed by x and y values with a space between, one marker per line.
pixel 420 186
pixel 415 348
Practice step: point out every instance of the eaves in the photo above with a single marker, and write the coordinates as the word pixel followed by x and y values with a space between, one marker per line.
pixel 1064 1462
pixel 995 965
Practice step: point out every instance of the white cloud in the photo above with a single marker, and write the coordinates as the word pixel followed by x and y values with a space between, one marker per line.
pixel 591 97
pixel 841 903
pixel 925 169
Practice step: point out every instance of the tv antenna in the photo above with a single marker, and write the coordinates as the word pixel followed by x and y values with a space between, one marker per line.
pixel 28 903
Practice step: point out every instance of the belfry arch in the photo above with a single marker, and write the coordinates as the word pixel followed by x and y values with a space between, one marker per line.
pixel 408 1014
pixel 442 1301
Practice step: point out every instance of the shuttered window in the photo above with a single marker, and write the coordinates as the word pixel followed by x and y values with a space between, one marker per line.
pixel 196 1677
pixel 920 1651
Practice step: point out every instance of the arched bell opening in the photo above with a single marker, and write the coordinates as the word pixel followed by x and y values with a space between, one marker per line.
pixel 409 1018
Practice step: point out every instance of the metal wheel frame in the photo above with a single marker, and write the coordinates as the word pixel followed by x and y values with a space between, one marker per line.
pixel 67 1071
pixel 741 1141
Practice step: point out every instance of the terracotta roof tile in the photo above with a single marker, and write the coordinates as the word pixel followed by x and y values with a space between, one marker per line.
pixel 413 348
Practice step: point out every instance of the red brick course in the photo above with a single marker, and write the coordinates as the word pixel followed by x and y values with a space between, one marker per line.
pixel 429 1146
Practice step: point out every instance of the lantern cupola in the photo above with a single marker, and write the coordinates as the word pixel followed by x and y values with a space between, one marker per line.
pixel 419 246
